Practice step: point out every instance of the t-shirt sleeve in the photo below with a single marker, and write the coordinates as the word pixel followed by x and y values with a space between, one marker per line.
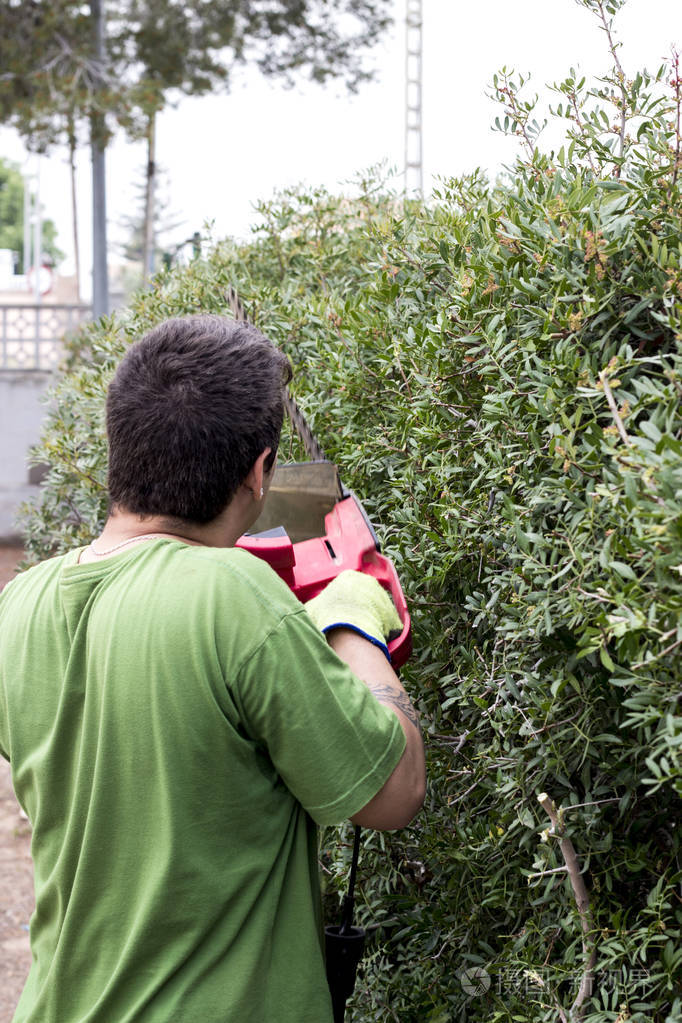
pixel 4 741
pixel 4 736
pixel 331 741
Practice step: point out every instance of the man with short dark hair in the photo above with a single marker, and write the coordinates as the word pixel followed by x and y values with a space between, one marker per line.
pixel 176 723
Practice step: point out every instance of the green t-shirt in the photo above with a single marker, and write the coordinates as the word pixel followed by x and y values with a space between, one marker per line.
pixel 176 728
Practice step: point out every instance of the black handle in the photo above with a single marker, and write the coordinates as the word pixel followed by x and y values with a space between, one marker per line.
pixel 344 945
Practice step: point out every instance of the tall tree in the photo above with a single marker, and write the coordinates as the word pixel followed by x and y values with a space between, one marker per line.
pixel 52 85
pixel 53 79
pixel 192 49
pixel 167 224
pixel 12 218
pixel 98 143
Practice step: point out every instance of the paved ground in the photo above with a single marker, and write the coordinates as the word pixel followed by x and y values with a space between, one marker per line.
pixel 9 556
pixel 16 870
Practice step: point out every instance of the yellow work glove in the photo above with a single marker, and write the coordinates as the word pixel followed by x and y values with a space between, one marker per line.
pixel 356 601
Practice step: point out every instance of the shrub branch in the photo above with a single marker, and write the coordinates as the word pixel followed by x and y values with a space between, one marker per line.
pixel 614 408
pixel 581 897
pixel 620 75
pixel 676 84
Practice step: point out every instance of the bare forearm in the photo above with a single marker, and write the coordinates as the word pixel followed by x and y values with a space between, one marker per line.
pixel 407 784
pixel 369 663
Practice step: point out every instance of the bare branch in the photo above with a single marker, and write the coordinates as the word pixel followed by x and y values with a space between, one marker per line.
pixel 546 873
pixel 677 86
pixel 614 408
pixel 581 127
pixel 582 901
pixel 613 47
pixel 663 653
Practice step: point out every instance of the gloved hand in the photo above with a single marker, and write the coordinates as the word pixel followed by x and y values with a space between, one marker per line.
pixel 356 601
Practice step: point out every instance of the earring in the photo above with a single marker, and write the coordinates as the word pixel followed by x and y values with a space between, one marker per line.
pixel 261 492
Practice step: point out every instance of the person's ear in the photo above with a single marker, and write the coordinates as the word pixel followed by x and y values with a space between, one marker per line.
pixel 257 476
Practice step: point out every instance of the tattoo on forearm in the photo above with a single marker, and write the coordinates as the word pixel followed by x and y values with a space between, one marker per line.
pixel 394 698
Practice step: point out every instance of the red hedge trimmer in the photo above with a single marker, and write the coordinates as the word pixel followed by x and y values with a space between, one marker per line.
pixel 311 529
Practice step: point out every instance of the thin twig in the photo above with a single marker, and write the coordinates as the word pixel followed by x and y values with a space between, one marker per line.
pixel 668 650
pixel 557 934
pixel 581 128
pixel 402 373
pixel 595 596
pixel 517 115
pixel 418 266
pixel 562 1015
pixel 678 110
pixel 557 724
pixel 464 794
pixel 614 408
pixel 621 81
pixel 596 802
pixel 544 873
pixel 668 634
pixel 449 740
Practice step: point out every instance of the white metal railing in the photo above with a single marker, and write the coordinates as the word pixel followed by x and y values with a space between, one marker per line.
pixel 31 336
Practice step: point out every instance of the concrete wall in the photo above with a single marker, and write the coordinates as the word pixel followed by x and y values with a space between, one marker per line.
pixel 21 416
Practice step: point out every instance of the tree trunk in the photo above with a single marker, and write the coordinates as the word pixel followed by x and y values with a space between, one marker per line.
pixel 148 254
pixel 100 276
pixel 74 207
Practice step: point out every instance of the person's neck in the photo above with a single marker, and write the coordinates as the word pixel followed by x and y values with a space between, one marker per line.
pixel 124 530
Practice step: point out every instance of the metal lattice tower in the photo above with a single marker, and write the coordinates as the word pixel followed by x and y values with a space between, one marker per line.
pixel 414 176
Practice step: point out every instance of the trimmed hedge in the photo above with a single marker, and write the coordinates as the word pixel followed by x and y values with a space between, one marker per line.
pixel 498 374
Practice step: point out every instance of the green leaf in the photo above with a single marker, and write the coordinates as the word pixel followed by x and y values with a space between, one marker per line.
pixel 606 659
pixel 622 569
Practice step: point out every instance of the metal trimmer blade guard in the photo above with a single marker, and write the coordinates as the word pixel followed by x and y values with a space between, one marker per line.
pixel 311 528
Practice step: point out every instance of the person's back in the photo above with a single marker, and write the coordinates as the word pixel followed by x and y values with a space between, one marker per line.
pixel 176 727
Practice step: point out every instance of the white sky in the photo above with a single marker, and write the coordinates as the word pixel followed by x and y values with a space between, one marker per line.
pixel 222 153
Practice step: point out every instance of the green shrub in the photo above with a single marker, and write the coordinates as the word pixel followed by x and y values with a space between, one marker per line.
pixel 498 374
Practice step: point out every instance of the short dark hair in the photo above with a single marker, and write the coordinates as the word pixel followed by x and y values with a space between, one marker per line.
pixel 190 408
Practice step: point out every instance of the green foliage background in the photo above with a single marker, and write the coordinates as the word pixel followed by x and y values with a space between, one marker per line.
pixel 12 217
pixel 498 374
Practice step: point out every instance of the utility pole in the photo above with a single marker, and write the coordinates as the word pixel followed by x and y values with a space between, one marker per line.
pixel 100 277
pixel 149 246
pixel 414 176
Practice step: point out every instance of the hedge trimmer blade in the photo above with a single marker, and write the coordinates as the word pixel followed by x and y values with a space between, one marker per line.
pixel 312 528
pixel 299 422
